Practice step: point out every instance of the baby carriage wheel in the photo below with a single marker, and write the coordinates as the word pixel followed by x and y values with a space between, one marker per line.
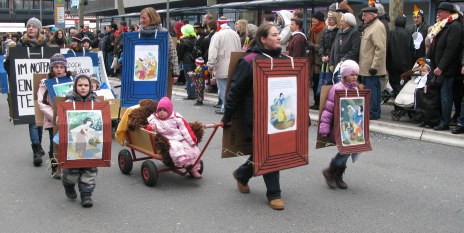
pixel 125 161
pixel 149 173
pixel 201 167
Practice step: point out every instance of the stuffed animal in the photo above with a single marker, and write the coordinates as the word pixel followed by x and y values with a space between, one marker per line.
pixel 138 117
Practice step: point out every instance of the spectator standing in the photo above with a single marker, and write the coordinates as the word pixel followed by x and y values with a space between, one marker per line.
pixel 86 32
pixel 347 42
pixel 328 37
pixel 446 40
pixel 223 43
pixel 283 22
pixel 419 32
pixel 297 43
pixel 372 57
pixel 251 30
pixel 400 52
pixel 315 36
pixel 240 28
pixel 460 119
pixel 186 56
pixel 109 48
pixel 58 39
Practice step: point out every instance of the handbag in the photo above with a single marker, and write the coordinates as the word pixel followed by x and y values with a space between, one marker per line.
pixel 325 77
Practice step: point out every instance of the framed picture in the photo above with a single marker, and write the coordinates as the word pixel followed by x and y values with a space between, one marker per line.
pixel 351 121
pixel 87 63
pixel 281 114
pixel 59 87
pixel 85 134
pixel 24 63
pixel 145 70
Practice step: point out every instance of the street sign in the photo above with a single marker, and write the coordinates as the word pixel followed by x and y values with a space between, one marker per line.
pixel 60 21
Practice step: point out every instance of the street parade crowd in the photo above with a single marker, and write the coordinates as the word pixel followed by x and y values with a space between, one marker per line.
pixel 346 49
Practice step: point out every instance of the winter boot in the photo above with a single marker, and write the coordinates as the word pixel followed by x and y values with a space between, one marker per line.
pixel 339 178
pixel 329 174
pixel 38 153
pixel 198 103
pixel 56 171
pixel 70 191
pixel 86 199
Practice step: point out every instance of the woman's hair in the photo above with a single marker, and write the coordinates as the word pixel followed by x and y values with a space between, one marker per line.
pixel 263 32
pixel 87 120
pixel 155 18
pixel 241 25
pixel 212 24
pixel 55 36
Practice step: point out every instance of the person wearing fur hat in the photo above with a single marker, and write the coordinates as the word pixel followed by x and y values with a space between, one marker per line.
pixel 84 177
pixel 58 72
pixel 187 57
pixel 199 76
pixel 183 143
pixel 418 27
pixel 314 43
pixel 32 38
pixel 346 43
pixel 400 53
pixel 334 173
pixel 372 57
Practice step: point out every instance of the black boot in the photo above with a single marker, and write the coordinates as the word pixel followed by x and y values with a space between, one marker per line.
pixel 38 153
pixel 56 171
pixel 86 199
pixel 70 191
pixel 198 103
pixel 329 174
pixel 339 178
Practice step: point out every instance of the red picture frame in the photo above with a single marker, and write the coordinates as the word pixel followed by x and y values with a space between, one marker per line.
pixel 356 139
pixel 105 160
pixel 278 149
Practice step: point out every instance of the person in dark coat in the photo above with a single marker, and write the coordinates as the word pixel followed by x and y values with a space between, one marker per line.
pixel 445 57
pixel 297 43
pixel 240 99
pixel 399 53
pixel 186 56
pixel 347 42
pixel 327 40
pixel 419 27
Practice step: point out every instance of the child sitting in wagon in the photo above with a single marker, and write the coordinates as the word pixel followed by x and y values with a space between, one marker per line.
pixel 183 143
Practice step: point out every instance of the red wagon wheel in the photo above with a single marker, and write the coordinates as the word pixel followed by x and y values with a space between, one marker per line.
pixel 149 173
pixel 125 161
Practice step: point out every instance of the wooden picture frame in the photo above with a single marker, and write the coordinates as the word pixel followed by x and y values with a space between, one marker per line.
pixel 77 156
pixel 351 121
pixel 145 70
pixel 24 63
pixel 280 130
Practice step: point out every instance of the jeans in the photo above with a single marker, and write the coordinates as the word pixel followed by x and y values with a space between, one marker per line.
pixel 109 61
pixel 222 84
pixel 50 134
pixel 35 133
pixel 84 177
pixel 340 160
pixel 446 95
pixel 244 173
pixel 188 67
pixel 373 83
pixel 460 120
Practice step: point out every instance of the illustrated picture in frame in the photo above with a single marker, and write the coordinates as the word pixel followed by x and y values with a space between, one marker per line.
pixel 351 121
pixel 146 63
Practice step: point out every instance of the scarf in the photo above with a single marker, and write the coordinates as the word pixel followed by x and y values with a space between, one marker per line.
pixel 315 29
pixel 151 29
pixel 39 42
pixel 440 25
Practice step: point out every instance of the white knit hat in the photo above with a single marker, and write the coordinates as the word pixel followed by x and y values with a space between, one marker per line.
pixel 35 22
pixel 350 19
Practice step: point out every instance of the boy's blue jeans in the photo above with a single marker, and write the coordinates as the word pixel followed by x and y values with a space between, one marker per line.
pixel 340 160
pixel 35 133
pixel 189 84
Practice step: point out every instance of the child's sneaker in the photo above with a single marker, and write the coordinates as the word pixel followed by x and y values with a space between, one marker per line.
pixel 195 174
pixel 70 191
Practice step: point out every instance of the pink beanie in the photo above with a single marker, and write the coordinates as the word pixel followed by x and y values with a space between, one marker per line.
pixel 165 103
pixel 349 67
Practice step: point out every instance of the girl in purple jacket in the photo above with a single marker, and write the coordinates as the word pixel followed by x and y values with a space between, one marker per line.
pixel 334 173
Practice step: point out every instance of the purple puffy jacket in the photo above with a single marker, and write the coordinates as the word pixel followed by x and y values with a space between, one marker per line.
pixel 327 116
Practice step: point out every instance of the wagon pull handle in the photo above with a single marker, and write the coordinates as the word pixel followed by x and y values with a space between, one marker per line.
pixel 213 125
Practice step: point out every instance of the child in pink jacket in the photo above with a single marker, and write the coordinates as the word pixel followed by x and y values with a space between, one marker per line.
pixel 333 175
pixel 57 71
pixel 183 143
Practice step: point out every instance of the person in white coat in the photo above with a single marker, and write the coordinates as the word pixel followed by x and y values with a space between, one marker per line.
pixel 283 22
pixel 223 43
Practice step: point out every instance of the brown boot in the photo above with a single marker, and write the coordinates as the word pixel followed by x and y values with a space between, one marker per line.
pixel 329 174
pixel 339 178
pixel 277 204
pixel 243 188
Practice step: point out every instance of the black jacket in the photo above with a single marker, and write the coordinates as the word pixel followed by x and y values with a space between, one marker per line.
pixel 346 46
pixel 185 50
pixel 327 40
pixel 240 97
pixel 422 29
pixel 444 50
pixel 205 45
pixel 400 51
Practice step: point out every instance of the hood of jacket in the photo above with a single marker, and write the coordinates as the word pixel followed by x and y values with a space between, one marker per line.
pixel 286 16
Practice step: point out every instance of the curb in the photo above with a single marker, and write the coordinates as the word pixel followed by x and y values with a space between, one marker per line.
pixel 400 130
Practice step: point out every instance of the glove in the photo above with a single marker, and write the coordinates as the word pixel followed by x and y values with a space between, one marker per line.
pixel 226 121
pixel 372 71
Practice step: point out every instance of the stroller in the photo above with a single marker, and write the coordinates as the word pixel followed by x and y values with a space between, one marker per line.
pixel 405 100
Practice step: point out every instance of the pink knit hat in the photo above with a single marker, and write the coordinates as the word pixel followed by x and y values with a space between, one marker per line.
pixel 166 104
pixel 349 67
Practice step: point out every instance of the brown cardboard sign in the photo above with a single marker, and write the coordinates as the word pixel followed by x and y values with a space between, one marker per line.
pixel 323 141
pixel 280 119
pixel 234 142
pixel 39 116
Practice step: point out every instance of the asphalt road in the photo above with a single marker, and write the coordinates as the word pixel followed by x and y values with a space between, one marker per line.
pixel 403 185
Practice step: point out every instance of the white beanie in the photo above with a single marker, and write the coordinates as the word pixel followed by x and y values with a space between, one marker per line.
pixel 350 19
pixel 36 22
pixel 349 67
